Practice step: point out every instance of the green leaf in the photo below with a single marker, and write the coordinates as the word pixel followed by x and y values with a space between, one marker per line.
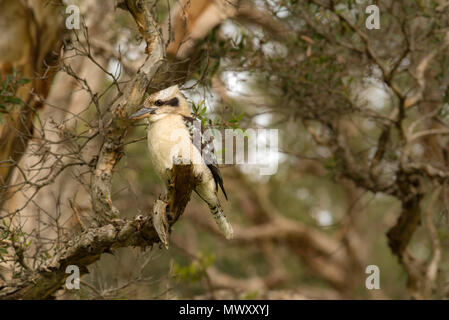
pixel 13 100
pixel 23 81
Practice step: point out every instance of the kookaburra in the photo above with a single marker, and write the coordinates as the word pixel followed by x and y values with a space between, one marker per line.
pixel 174 132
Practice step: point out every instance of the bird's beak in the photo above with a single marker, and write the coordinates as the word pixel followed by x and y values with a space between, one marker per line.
pixel 142 113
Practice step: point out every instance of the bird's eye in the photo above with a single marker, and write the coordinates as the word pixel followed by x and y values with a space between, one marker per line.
pixel 159 103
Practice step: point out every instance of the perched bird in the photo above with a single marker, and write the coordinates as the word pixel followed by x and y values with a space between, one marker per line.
pixel 174 132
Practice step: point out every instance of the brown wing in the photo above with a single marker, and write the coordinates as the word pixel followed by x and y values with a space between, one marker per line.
pixel 205 144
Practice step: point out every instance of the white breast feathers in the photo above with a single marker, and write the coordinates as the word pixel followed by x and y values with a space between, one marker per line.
pixel 169 138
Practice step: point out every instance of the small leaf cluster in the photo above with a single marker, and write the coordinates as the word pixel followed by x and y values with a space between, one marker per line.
pixel 8 89
pixel 194 271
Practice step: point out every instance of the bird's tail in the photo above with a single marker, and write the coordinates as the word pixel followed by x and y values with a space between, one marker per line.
pixel 222 221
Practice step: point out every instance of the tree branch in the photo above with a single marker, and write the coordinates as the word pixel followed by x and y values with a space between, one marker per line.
pixel 88 247
pixel 117 121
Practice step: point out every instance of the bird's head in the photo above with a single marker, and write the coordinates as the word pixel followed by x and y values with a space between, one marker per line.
pixel 162 103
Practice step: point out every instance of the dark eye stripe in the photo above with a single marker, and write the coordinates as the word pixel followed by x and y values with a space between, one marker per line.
pixel 173 102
